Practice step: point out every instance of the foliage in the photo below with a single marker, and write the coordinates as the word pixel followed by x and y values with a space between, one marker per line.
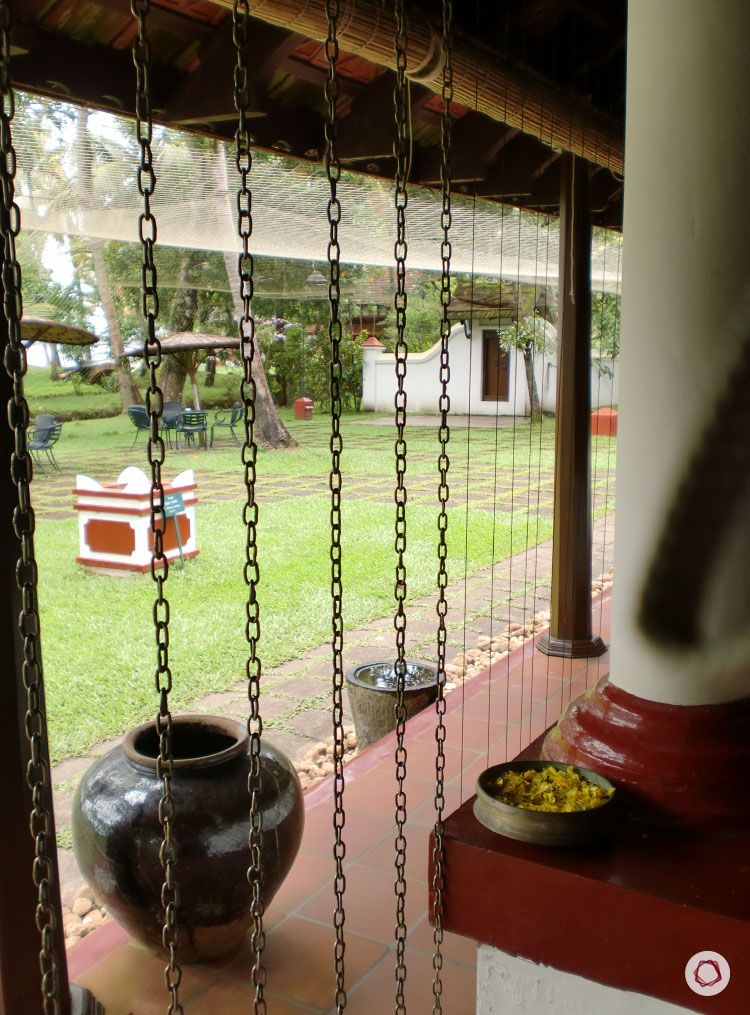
pixel 423 313
pixel 95 401
pixel 531 334
pixel 605 325
pixel 298 363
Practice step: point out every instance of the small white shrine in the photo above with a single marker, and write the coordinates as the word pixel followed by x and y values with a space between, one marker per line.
pixel 114 520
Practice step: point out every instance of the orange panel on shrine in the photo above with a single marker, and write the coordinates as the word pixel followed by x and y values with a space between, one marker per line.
pixel 110 537
pixel 170 536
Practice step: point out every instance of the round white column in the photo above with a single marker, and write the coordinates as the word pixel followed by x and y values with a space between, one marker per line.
pixel 685 315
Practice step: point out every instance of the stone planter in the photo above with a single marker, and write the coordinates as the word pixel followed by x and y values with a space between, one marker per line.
pixel 117 835
pixel 372 696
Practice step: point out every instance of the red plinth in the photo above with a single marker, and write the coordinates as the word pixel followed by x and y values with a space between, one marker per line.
pixel 303 408
pixel 604 423
pixel 628 914
pixel 677 765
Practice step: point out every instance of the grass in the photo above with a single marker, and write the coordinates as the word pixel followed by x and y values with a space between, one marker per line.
pixel 99 647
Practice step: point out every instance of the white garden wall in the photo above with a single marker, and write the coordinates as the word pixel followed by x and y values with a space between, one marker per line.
pixel 465 388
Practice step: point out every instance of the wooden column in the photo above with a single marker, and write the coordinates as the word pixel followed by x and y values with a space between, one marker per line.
pixel 570 632
pixel 20 981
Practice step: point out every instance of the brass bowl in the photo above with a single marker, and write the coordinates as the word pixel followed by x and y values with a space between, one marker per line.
pixel 548 828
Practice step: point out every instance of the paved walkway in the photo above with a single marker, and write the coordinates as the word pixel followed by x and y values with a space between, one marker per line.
pixel 296 694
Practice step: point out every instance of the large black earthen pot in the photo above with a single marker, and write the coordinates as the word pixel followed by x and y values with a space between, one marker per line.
pixel 117 835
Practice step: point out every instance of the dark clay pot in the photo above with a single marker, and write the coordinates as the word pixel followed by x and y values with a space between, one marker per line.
pixel 372 696
pixel 117 835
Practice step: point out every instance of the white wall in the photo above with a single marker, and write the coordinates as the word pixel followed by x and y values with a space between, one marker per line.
pixel 506 983
pixel 605 389
pixel 465 387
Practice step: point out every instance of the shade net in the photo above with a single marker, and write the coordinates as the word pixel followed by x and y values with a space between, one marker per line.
pixel 194 204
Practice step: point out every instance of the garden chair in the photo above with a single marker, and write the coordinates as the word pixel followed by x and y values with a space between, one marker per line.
pixel 189 424
pixel 221 422
pixel 139 419
pixel 45 435
pixel 170 415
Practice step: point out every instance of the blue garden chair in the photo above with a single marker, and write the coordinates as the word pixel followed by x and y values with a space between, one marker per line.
pixel 222 423
pixel 45 435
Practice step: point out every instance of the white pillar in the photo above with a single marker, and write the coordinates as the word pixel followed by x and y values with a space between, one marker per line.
pixel 370 353
pixel 686 297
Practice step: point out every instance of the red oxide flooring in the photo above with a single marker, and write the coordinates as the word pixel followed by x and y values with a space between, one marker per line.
pixel 491 718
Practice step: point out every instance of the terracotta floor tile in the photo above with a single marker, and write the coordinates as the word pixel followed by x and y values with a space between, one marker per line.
pixel 300 965
pixel 235 999
pixel 374 996
pixel 131 980
pixel 362 830
pixel 424 815
pixel 375 791
pixel 308 875
pixel 457 950
pixel 370 904
pixel 421 762
pixel 381 856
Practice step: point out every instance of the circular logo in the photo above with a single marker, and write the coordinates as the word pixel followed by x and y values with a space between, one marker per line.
pixel 707 973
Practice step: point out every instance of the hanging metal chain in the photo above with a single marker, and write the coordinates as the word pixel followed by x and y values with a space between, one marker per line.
pixel 333 172
pixel 244 160
pixel 401 152
pixel 37 771
pixel 444 404
pixel 156 454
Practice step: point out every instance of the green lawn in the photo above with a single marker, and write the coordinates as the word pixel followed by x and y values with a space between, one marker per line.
pixel 98 645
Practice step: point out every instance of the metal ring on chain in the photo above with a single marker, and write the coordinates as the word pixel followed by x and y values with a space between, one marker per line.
pixel 243 162
pixel 401 153
pixel 37 772
pixel 333 172
pixel 444 404
pixel 146 179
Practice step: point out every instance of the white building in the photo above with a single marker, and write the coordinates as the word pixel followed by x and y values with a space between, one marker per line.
pixel 486 378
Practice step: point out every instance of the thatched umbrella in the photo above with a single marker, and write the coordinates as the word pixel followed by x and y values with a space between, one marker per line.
pixel 38 329
pixel 196 348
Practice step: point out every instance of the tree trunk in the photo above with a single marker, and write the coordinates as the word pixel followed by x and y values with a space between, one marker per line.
pixel 129 393
pixel 55 366
pixel 194 388
pixel 173 376
pixel 178 365
pixel 528 362
pixel 270 432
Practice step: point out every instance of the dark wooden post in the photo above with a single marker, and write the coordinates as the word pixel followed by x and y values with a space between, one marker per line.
pixel 570 632
pixel 20 978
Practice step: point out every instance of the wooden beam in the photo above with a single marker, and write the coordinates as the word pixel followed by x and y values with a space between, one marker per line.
pixel 518 169
pixel 367 131
pixel 96 76
pixel 206 95
pixel 570 631
pixel 475 144
pixel 508 93
pixel 167 18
